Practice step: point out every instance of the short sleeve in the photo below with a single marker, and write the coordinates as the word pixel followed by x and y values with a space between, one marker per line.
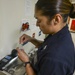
pixel 52 67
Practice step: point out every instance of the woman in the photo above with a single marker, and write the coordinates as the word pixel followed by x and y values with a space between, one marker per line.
pixel 55 56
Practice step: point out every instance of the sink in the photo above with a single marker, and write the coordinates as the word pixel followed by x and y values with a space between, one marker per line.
pixel 1 73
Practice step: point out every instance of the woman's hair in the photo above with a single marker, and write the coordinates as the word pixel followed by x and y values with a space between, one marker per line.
pixel 72 12
pixel 52 7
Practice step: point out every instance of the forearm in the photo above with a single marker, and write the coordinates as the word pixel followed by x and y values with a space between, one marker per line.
pixel 36 42
pixel 29 70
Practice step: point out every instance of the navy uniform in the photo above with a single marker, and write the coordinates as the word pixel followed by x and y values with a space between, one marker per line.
pixel 56 55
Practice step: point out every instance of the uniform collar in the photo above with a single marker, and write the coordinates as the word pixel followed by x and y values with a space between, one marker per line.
pixel 59 33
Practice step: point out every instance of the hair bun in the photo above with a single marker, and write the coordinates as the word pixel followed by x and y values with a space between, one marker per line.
pixel 72 12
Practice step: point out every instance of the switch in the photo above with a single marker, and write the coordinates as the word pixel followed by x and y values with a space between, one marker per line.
pixel 39 33
pixel 33 35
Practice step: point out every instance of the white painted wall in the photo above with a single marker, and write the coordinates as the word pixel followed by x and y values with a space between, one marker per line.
pixel 11 14
pixel 73 37
pixel 12 11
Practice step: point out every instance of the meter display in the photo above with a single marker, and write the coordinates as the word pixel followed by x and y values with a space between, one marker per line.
pixel 8 57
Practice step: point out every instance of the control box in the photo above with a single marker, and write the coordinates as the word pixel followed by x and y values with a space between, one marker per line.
pixel 8 59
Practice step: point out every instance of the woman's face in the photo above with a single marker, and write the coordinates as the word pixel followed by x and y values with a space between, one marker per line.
pixel 43 22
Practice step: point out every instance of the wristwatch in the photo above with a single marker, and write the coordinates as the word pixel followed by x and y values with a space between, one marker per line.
pixel 26 63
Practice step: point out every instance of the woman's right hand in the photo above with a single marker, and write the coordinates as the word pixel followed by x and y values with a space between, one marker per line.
pixel 24 38
pixel 22 55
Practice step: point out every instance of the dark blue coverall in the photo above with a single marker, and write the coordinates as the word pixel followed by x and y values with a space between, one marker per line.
pixel 56 55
